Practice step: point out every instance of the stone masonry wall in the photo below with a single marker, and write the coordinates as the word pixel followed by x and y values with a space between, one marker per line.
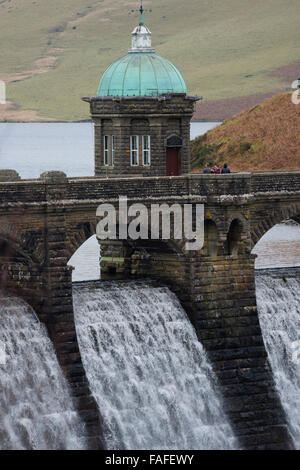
pixel 266 185
pixel 223 311
pixel 159 118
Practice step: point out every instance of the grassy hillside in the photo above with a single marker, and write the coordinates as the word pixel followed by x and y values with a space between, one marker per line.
pixel 54 52
pixel 265 137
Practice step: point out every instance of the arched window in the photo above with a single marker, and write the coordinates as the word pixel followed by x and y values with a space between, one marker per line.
pixel 234 237
pixel 4 249
pixel 174 141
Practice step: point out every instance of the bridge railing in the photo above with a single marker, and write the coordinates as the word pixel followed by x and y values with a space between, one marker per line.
pixel 92 188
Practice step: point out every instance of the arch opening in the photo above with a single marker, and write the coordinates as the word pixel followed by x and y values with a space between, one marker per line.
pixel 86 261
pixel 279 247
pixel 9 252
pixel 234 237
pixel 94 259
pixel 6 250
pixel 174 141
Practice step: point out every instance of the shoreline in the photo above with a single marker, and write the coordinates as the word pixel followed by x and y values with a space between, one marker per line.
pixel 205 111
pixel 200 121
pixel 47 122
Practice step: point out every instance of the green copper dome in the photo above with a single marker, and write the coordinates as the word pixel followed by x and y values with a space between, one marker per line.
pixel 141 74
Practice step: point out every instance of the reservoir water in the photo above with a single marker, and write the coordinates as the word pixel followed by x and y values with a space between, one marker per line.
pixel 32 148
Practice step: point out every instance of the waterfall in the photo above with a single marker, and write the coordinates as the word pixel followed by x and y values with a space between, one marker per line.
pixel 148 372
pixel 36 409
pixel 278 302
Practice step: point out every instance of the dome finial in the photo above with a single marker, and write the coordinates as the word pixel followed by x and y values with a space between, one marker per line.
pixel 141 13
pixel 141 35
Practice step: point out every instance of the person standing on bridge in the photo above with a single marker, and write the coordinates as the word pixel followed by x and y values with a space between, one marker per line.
pixel 216 170
pixel 225 169
pixel 207 169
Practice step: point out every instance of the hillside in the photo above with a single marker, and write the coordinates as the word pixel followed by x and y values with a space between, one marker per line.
pixel 54 52
pixel 265 137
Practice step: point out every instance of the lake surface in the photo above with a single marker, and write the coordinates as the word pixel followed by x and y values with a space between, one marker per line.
pixel 279 247
pixel 34 148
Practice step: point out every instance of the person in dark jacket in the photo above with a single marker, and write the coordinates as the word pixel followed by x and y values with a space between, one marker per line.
pixel 225 169
pixel 206 170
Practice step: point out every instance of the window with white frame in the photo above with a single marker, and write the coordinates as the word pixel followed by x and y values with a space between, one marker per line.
pixel 140 150
pixel 109 150
pixel 112 150
pixel 146 150
pixel 134 150
pixel 106 150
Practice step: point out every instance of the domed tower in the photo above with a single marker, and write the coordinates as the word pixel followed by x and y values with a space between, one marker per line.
pixel 142 114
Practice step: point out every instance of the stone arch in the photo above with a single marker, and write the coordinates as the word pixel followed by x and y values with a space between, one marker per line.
pixel 211 238
pixel 266 223
pixel 27 244
pixel 79 234
pixel 10 231
pixel 10 251
pixel 174 140
pixel 21 268
pixel 234 236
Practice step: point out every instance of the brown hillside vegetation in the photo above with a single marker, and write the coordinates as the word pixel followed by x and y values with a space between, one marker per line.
pixel 265 137
pixel 219 110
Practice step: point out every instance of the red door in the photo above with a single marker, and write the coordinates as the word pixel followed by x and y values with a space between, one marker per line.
pixel 172 162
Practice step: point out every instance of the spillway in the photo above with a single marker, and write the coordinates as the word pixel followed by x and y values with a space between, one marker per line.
pixel 148 372
pixel 36 409
pixel 278 299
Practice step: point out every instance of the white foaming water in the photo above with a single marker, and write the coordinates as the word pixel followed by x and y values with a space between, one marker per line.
pixel 148 372
pixel 279 312
pixel 36 409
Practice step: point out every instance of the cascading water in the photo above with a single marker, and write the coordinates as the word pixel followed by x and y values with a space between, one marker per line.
pixel 148 372
pixel 278 302
pixel 35 405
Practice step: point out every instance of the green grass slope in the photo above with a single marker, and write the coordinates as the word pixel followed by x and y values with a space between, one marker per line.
pixel 224 49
